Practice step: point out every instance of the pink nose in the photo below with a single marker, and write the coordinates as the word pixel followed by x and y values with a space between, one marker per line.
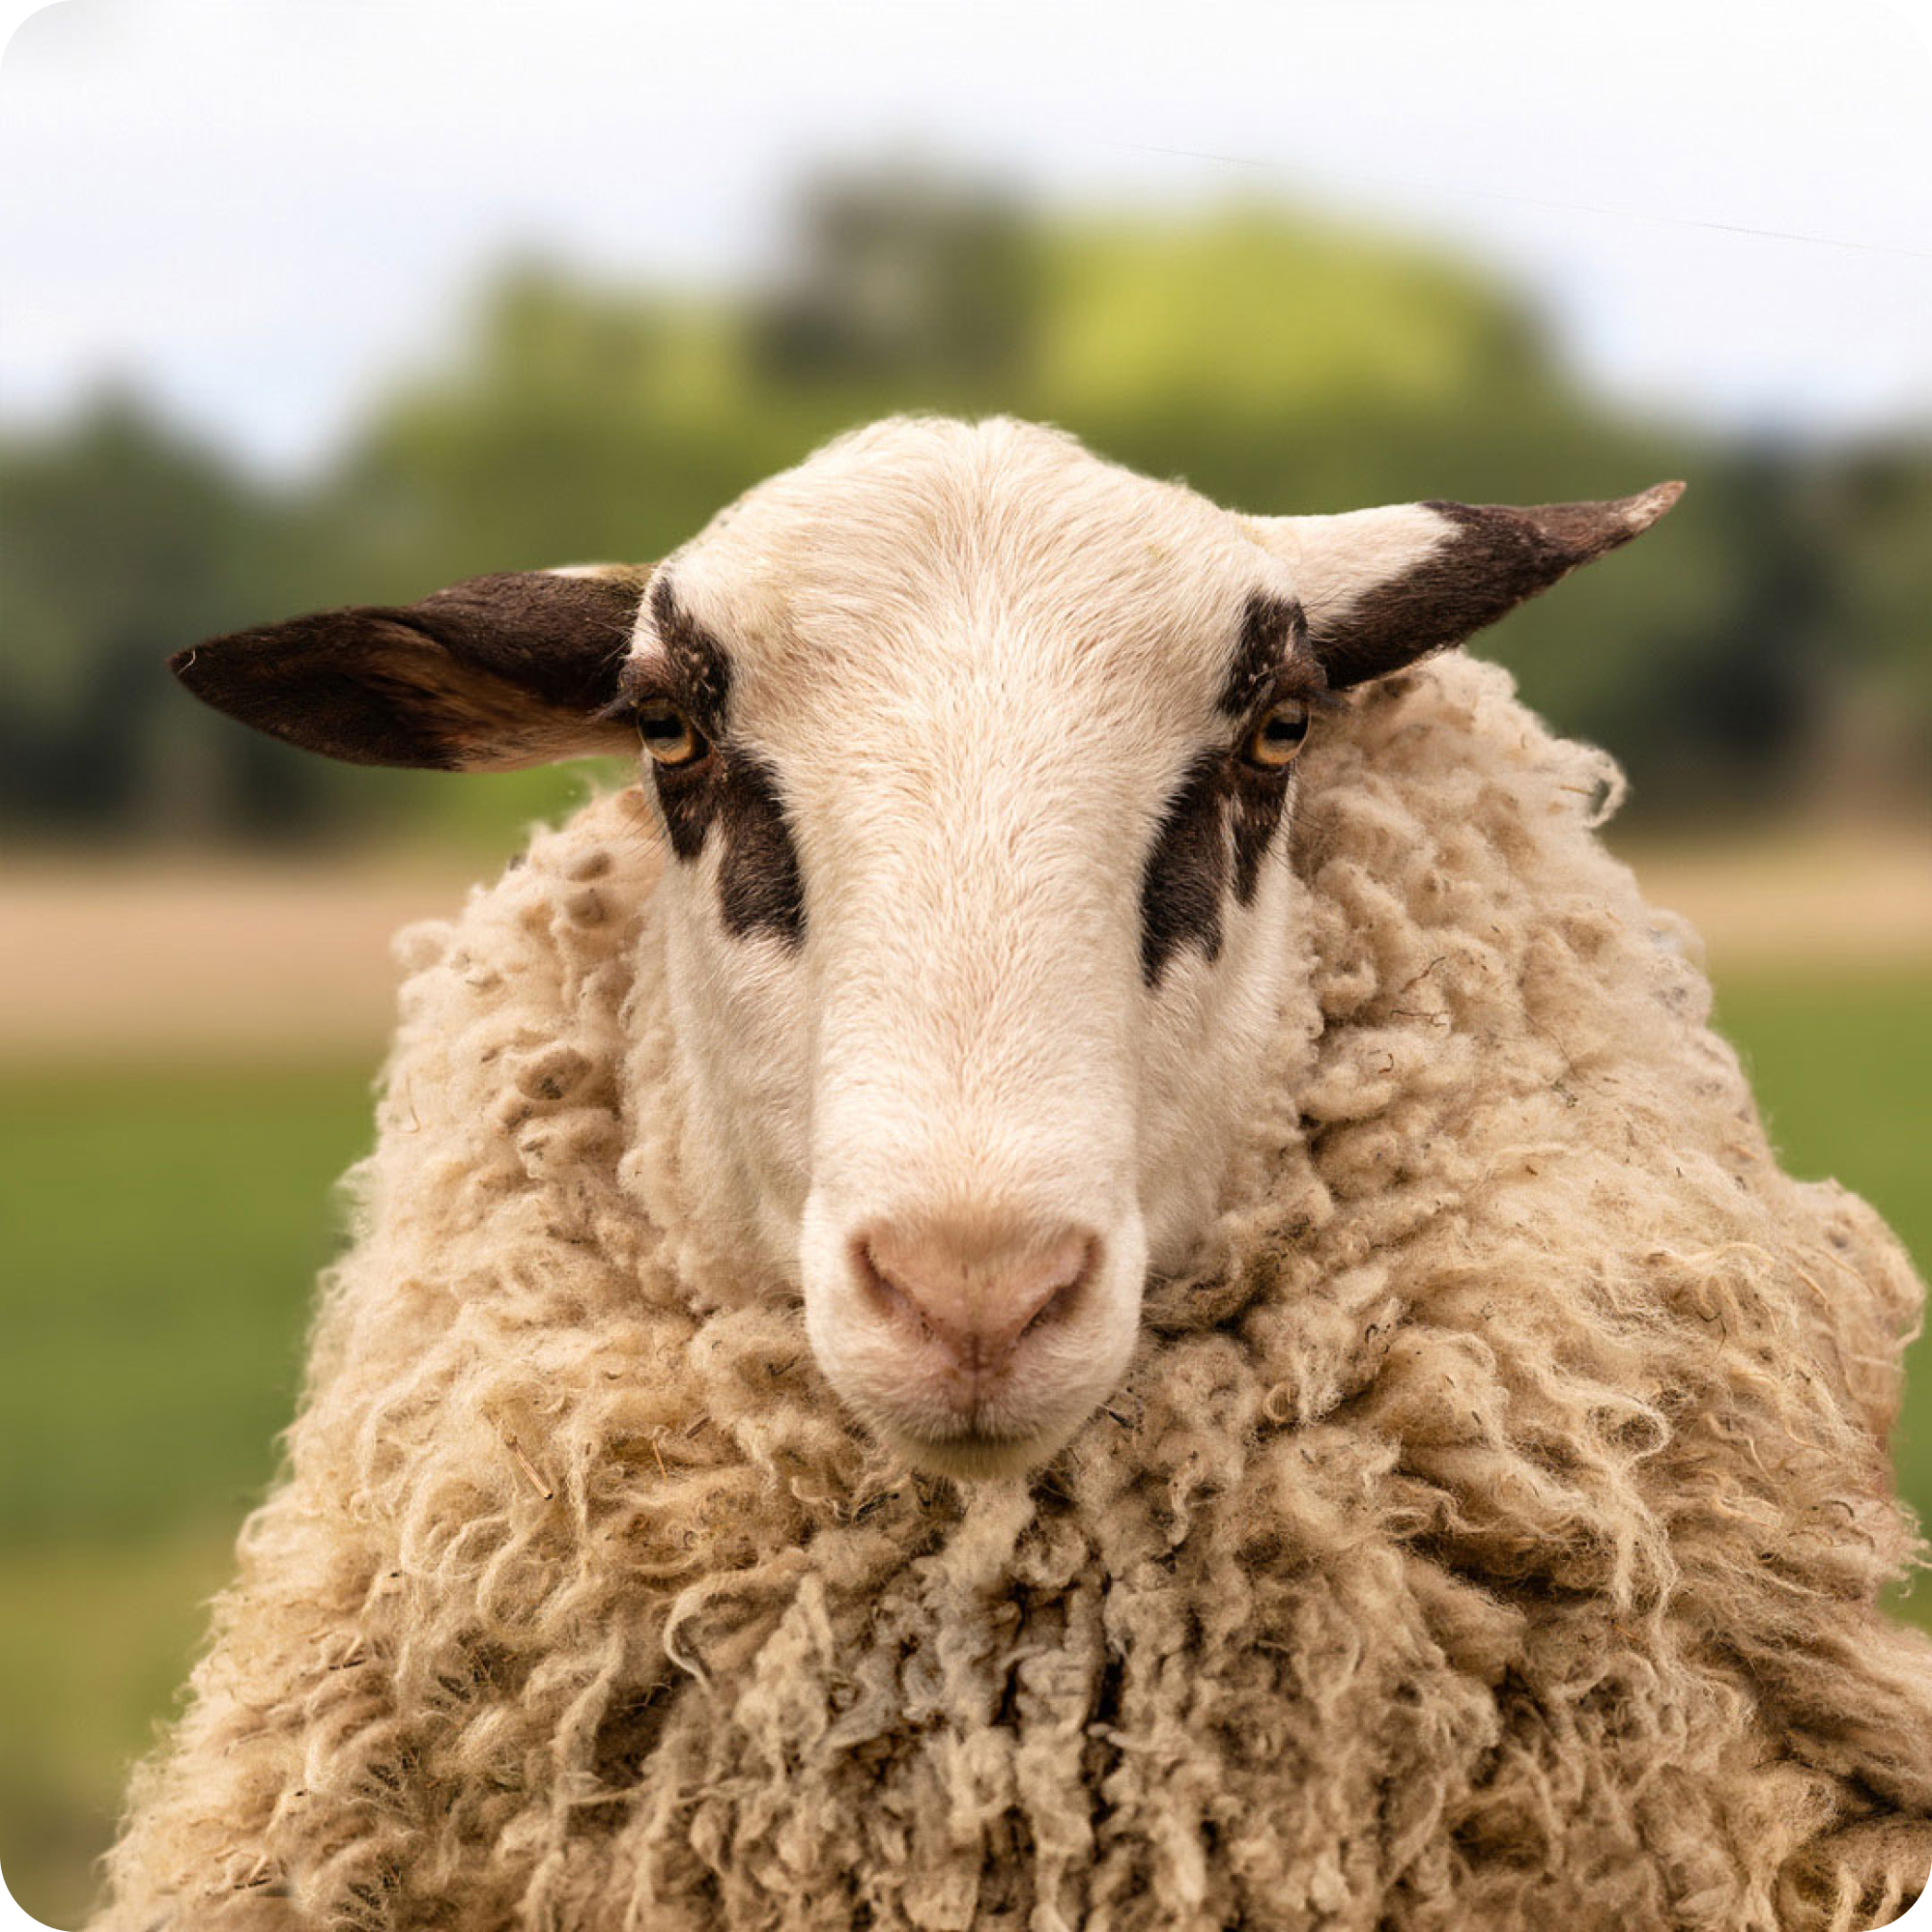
pixel 972 1288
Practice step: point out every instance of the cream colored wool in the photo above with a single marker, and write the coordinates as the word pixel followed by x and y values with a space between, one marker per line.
pixel 1487 1536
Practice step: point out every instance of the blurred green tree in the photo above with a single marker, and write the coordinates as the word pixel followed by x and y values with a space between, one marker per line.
pixel 1777 623
pixel 121 542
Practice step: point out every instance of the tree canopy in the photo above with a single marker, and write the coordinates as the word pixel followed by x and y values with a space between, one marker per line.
pixel 1774 634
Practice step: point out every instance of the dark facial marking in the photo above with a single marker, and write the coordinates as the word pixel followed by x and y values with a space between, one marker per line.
pixel 1260 797
pixel 700 672
pixel 1221 820
pixel 1272 661
pixel 1273 631
pixel 1186 870
pixel 758 884
pixel 759 887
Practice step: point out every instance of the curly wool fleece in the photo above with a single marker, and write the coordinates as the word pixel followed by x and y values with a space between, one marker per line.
pixel 1487 1536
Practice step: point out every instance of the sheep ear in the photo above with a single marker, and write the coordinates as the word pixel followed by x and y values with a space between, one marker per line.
pixel 489 674
pixel 1383 587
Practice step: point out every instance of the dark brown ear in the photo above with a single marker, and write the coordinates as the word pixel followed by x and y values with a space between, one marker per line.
pixel 491 673
pixel 1383 587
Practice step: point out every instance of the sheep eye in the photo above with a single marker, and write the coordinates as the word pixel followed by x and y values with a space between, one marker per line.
pixel 668 734
pixel 1278 737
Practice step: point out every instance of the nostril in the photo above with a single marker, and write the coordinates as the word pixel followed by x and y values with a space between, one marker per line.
pixel 1063 1291
pixel 976 1298
pixel 888 1298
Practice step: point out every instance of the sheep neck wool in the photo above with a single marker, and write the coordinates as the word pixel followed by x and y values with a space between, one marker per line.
pixel 1488 1534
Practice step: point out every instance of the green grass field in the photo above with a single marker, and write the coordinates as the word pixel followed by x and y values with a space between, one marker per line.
pixel 162 1229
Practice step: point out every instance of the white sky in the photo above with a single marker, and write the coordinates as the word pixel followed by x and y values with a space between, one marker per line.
pixel 259 211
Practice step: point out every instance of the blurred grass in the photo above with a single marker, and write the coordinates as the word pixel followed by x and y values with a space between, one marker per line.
pixel 1841 1065
pixel 166 1223
pixel 164 1226
pixel 97 1637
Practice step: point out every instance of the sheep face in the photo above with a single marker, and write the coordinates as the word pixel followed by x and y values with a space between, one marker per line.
pixel 975 756
pixel 979 755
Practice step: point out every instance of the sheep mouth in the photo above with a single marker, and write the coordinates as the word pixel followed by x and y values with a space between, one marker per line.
pixel 978 1455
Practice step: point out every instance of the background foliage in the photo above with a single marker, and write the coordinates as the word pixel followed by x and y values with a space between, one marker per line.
pixel 1774 650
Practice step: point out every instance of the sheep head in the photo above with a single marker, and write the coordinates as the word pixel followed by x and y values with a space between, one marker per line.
pixel 974 755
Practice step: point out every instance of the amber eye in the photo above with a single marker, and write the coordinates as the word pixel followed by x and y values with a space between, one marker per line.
pixel 1279 735
pixel 668 734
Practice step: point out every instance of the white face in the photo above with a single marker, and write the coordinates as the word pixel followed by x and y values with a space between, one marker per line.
pixel 977 932
pixel 974 755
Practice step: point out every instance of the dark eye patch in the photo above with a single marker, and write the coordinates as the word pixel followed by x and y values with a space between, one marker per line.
pixel 760 886
pixel 760 889
pixel 695 672
pixel 1212 839
pixel 1186 873
pixel 1218 824
pixel 1273 633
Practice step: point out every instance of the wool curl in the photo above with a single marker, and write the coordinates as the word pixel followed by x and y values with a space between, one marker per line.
pixel 1489 1530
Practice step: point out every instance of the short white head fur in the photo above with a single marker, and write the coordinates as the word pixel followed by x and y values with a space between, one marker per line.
pixel 974 755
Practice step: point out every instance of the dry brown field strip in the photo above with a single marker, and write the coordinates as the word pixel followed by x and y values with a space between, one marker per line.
pixel 170 957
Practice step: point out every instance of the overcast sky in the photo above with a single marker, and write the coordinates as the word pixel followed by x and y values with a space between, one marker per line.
pixel 259 210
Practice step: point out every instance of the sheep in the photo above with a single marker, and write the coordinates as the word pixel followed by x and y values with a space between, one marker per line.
pixel 1090 1267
